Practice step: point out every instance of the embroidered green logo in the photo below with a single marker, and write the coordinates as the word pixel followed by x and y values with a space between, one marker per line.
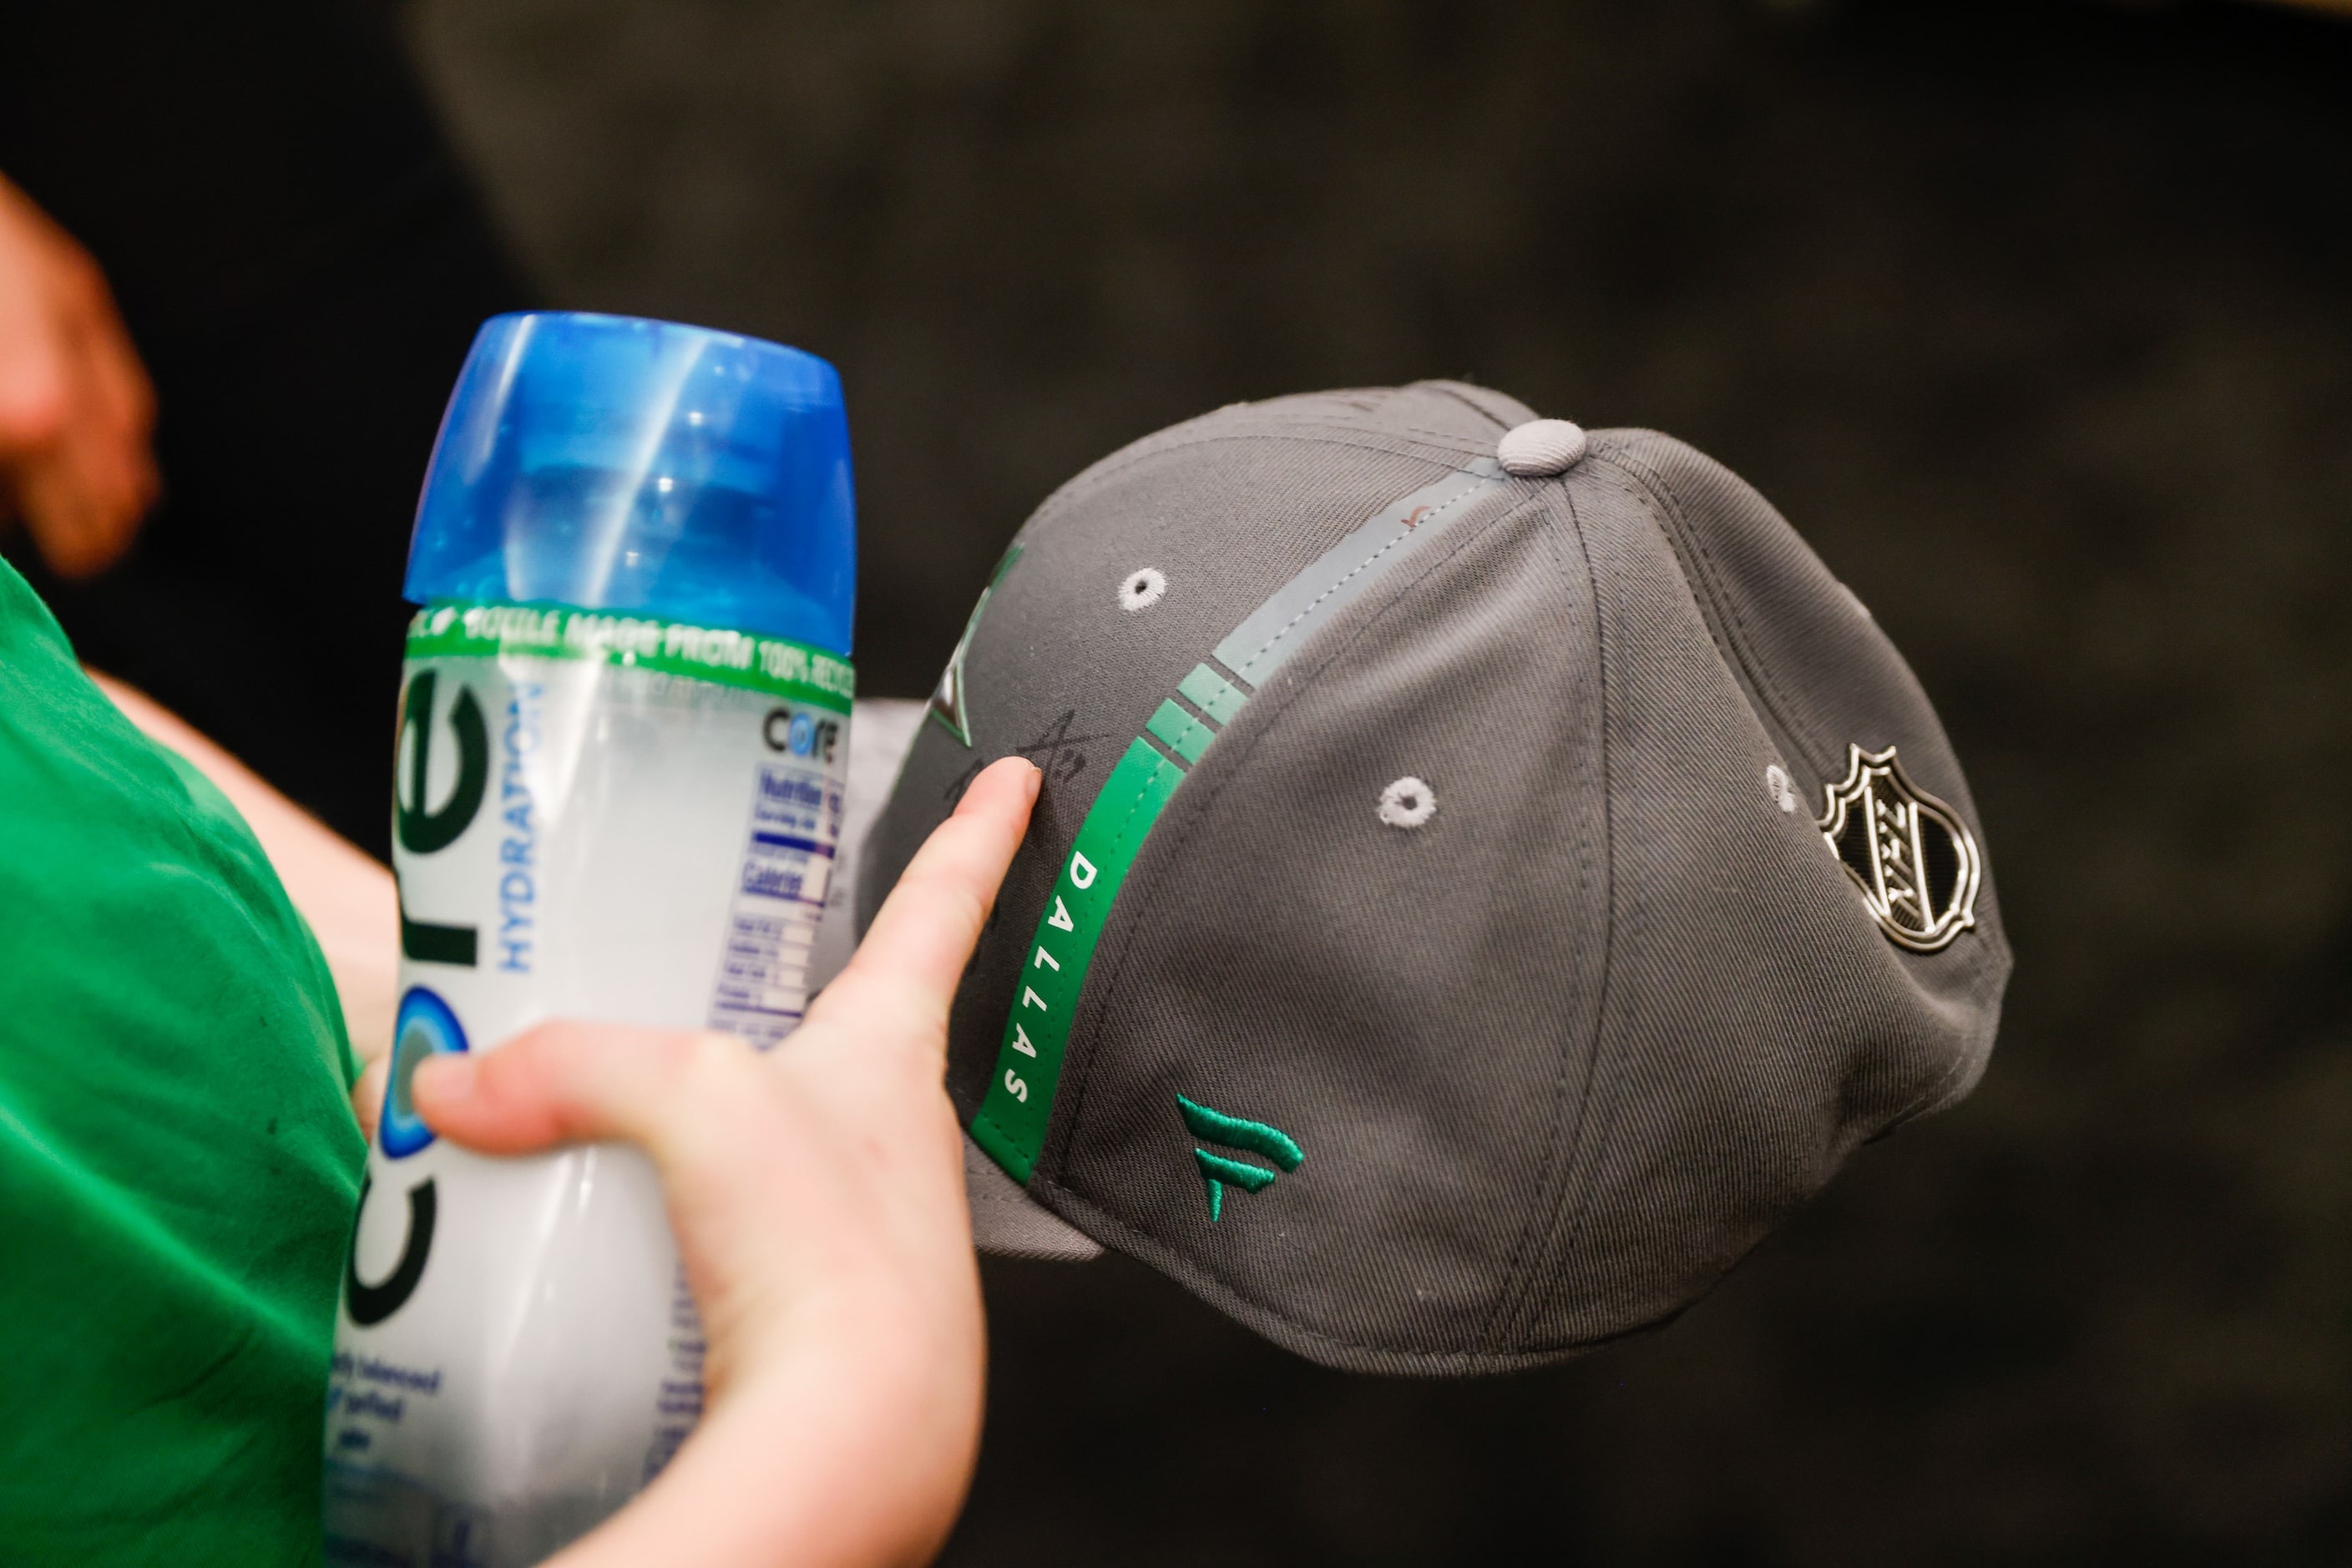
pixel 947 698
pixel 1254 1137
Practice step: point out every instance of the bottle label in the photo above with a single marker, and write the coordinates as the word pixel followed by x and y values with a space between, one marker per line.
pixel 596 815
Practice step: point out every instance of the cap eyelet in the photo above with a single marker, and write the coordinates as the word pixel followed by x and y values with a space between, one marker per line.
pixel 1142 588
pixel 1408 803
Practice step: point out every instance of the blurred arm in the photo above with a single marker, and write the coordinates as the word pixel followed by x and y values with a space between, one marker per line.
pixel 346 898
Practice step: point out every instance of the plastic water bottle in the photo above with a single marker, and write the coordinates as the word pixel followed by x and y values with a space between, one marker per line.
pixel 622 743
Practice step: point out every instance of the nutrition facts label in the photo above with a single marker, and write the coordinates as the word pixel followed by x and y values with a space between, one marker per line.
pixel 772 923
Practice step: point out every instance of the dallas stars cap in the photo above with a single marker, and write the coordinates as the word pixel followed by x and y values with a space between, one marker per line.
pixel 1484 876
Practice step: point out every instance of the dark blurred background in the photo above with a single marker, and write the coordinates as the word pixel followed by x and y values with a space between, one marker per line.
pixel 2036 321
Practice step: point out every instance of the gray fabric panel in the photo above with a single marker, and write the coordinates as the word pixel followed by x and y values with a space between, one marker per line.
pixel 1759 1025
pixel 1826 673
pixel 1412 1005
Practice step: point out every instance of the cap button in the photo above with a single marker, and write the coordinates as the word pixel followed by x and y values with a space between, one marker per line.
pixel 1541 448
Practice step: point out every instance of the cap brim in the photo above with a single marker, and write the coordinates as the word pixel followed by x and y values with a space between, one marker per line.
pixel 1008 1222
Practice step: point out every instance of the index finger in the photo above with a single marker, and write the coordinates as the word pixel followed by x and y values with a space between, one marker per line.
pixel 915 951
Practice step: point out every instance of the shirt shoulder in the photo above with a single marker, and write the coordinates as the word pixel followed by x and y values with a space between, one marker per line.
pixel 178 1161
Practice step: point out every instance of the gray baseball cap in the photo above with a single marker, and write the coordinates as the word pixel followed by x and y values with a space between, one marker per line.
pixel 1486 875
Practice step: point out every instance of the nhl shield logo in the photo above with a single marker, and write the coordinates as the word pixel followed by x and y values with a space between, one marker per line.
pixel 1910 853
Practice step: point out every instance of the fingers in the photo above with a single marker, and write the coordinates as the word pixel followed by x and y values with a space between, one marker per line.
pixel 83 498
pixel 917 948
pixel 84 492
pixel 578 1083
pixel 125 396
pixel 570 1082
pixel 34 395
pixel 32 370
pixel 76 405
pixel 108 447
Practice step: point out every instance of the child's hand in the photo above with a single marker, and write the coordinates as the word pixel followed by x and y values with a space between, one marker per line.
pixel 817 1194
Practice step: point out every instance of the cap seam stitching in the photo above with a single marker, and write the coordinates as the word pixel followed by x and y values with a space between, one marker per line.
pixel 1726 610
pixel 1538 1232
pixel 1575 1199
pixel 1725 627
pixel 1572 1204
pixel 1447 437
pixel 1653 485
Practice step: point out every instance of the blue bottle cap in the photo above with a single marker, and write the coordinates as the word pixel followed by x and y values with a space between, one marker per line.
pixel 618 464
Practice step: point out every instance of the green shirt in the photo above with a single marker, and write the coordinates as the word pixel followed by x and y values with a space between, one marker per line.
pixel 178 1161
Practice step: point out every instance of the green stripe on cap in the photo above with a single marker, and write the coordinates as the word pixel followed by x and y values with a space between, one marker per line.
pixel 1211 693
pixel 1011 1122
pixel 1185 735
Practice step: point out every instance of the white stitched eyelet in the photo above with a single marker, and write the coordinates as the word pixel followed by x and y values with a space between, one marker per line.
pixel 1408 803
pixel 1778 789
pixel 1142 588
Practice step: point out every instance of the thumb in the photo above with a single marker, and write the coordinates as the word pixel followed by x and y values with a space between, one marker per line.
pixel 574 1082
